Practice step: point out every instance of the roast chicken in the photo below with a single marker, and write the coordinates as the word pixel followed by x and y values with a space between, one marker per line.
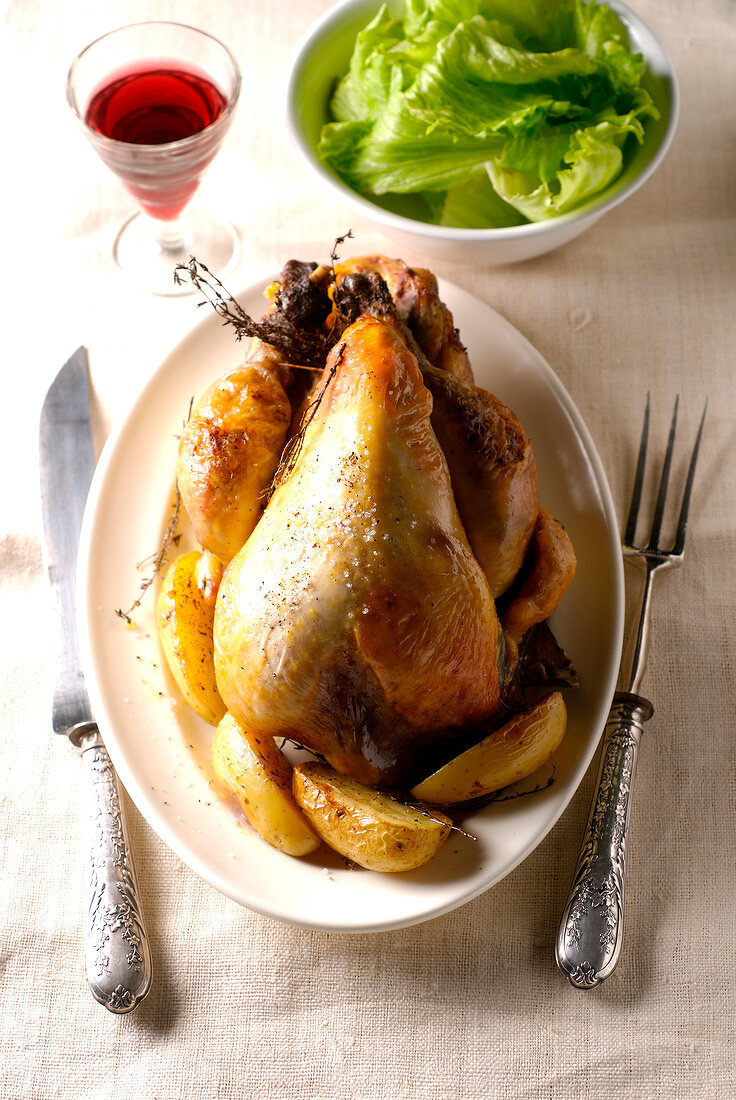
pixel 356 619
pixel 493 473
pixel 386 548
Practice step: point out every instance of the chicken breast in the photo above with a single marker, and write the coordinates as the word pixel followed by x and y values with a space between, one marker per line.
pixel 356 619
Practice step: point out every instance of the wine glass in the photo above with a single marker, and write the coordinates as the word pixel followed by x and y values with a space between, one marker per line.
pixel 155 100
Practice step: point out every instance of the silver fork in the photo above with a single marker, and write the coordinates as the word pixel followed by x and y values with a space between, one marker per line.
pixel 591 931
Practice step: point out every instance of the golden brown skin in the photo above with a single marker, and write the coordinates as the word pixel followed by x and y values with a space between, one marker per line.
pixel 493 472
pixel 230 448
pixel 418 306
pixel 491 461
pixel 356 619
pixel 549 569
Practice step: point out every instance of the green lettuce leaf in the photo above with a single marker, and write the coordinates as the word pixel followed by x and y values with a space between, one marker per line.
pixel 475 205
pixel 532 100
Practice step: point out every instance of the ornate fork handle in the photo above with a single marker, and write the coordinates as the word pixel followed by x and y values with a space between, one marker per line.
pixel 591 932
pixel 117 952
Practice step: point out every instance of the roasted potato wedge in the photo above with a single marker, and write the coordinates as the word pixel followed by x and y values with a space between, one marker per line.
pixel 508 754
pixel 230 448
pixel 367 826
pixel 185 615
pixel 258 774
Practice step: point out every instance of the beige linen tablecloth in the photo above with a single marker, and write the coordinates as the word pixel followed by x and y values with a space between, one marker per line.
pixel 469 1005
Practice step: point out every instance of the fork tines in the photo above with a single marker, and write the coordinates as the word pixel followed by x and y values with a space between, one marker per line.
pixel 653 546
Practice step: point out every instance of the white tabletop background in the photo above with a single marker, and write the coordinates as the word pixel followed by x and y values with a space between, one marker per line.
pixel 469 1005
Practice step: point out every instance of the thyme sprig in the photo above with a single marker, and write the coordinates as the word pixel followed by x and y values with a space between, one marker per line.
pixel 158 559
pixel 300 347
pixel 293 447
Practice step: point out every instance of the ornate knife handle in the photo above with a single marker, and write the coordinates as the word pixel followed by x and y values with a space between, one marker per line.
pixel 591 932
pixel 117 953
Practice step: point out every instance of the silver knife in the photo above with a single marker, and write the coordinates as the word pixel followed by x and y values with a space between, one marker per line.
pixel 117 952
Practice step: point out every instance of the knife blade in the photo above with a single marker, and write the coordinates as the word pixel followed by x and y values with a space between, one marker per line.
pixel 67 463
pixel 117 952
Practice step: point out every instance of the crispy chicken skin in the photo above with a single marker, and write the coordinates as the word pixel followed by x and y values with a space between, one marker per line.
pixel 490 457
pixel 418 306
pixel 546 574
pixel 356 619
pixel 493 472
pixel 230 448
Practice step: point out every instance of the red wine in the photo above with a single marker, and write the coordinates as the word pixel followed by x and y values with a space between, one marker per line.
pixel 155 103
pixel 152 104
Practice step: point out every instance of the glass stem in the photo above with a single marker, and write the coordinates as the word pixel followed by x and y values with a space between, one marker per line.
pixel 173 236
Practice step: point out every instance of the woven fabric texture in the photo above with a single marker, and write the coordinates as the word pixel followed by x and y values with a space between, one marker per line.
pixel 469 1006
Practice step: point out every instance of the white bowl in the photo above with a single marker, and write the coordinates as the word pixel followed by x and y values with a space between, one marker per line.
pixel 322 58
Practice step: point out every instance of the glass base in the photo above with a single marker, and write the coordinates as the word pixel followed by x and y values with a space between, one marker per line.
pixel 150 265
